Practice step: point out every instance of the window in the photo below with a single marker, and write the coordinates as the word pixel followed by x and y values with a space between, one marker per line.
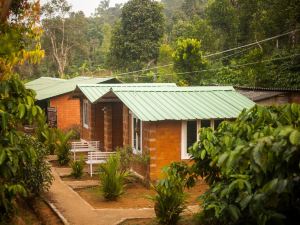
pixel 205 123
pixel 217 123
pixel 136 134
pixel 85 113
pixel 189 135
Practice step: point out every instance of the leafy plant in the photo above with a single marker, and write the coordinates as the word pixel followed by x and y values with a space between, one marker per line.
pixel 252 166
pixel 127 158
pixel 16 108
pixel 49 136
pixel 77 168
pixel 112 178
pixel 63 146
pixel 170 198
pixel 37 177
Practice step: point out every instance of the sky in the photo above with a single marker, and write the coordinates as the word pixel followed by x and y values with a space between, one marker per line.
pixel 88 6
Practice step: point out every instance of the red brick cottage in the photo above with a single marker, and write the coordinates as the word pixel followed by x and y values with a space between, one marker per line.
pixel 54 96
pixel 161 121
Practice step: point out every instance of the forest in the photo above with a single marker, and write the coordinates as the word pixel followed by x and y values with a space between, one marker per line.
pixel 220 42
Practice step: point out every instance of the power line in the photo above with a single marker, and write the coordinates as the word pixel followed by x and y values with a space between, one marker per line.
pixel 231 66
pixel 254 43
pixel 217 53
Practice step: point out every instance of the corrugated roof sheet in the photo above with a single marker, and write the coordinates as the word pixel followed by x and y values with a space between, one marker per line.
pixel 175 103
pixel 94 92
pixel 43 82
pixel 47 88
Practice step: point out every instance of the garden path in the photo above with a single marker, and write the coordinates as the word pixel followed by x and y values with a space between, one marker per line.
pixel 78 212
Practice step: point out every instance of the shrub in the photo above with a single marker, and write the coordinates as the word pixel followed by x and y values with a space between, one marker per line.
pixel 169 201
pixel 127 158
pixel 62 146
pixel 49 138
pixel 77 168
pixel 36 176
pixel 112 178
pixel 252 166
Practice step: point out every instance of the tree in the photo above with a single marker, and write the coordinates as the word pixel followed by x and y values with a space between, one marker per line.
pixel 188 61
pixel 20 33
pixel 56 12
pixel 19 43
pixel 136 38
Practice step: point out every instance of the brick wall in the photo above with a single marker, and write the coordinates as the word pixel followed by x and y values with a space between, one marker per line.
pixel 108 128
pixel 164 145
pixel 68 111
pixel 161 141
pixel 117 124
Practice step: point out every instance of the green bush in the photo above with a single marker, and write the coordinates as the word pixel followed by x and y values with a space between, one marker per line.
pixel 252 166
pixel 63 146
pixel 49 138
pixel 169 201
pixel 77 168
pixel 16 108
pixel 112 178
pixel 36 175
pixel 128 157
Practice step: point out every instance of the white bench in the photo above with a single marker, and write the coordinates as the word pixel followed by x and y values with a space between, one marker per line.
pixel 97 158
pixel 84 146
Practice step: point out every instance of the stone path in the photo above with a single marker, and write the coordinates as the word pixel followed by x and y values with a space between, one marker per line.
pixel 78 212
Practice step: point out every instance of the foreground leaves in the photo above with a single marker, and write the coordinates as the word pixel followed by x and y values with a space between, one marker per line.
pixel 252 167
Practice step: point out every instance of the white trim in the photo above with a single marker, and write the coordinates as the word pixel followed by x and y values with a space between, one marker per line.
pixel 140 140
pixel 85 113
pixel 184 147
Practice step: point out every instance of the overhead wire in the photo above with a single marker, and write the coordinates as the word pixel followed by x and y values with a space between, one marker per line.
pixel 217 53
pixel 231 66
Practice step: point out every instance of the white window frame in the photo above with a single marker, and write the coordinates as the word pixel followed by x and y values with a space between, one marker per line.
pixel 184 147
pixel 85 113
pixel 140 140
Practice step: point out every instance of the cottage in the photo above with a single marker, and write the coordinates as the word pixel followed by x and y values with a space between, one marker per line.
pixel 161 121
pixel 271 96
pixel 54 97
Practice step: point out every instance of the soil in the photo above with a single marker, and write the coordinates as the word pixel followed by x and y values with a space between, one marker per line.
pixel 85 177
pixel 34 212
pixel 54 163
pixel 135 196
pixel 186 220
pixel 45 213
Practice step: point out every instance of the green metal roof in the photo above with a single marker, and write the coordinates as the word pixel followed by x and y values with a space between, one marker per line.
pixel 155 103
pixel 46 87
pixel 94 92
pixel 43 82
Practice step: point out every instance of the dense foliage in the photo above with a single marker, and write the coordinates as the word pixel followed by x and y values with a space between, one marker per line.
pixel 252 167
pixel 136 39
pixel 188 60
pixel 112 178
pixel 134 36
pixel 63 146
pixel 17 151
pixel 36 176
